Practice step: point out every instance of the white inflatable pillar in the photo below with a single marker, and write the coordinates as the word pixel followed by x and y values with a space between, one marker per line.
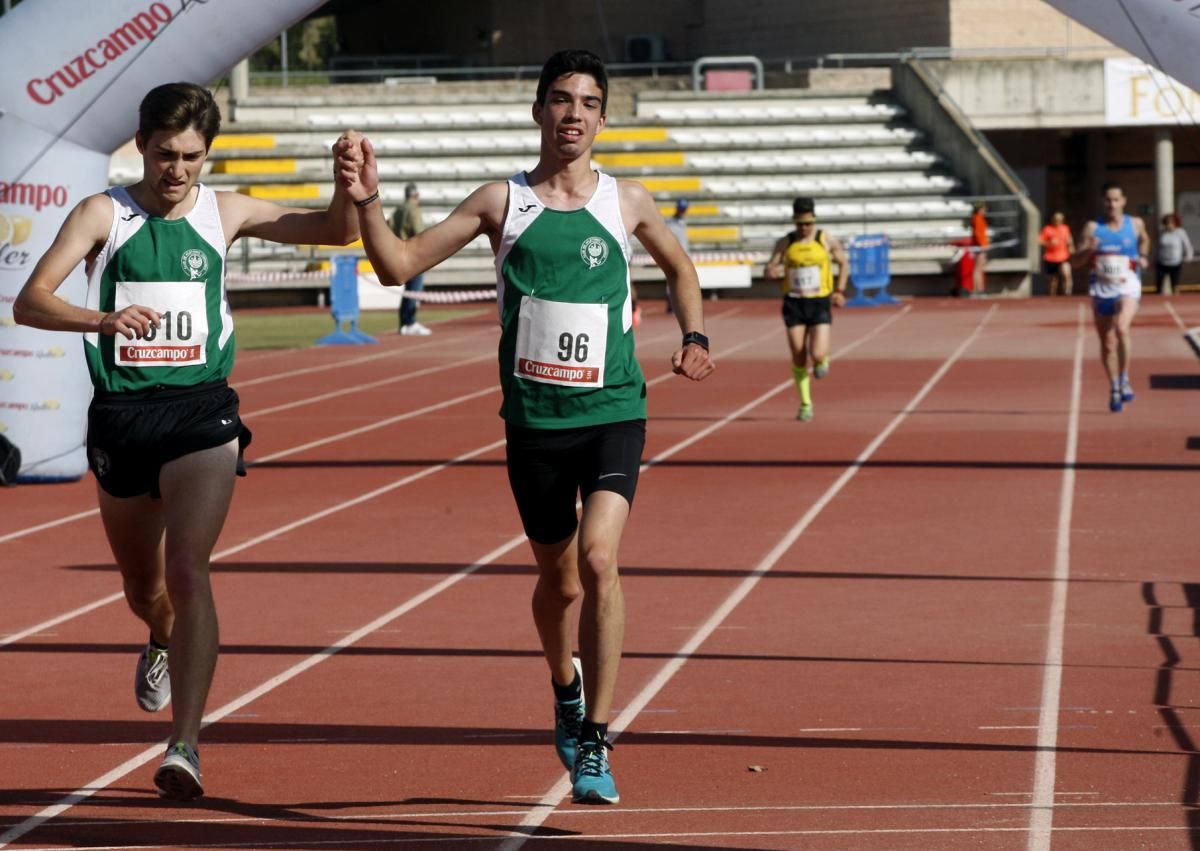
pixel 68 98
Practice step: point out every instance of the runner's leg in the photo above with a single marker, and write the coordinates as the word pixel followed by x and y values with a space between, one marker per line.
pixel 556 590
pixel 134 527
pixel 602 619
pixel 196 492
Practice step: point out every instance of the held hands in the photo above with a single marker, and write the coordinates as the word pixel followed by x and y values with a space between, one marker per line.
pixel 692 361
pixel 354 166
pixel 134 322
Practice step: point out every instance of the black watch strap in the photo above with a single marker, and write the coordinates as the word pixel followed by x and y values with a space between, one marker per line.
pixel 697 338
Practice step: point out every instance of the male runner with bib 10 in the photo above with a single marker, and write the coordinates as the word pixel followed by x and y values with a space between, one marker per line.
pixel 574 397
pixel 164 437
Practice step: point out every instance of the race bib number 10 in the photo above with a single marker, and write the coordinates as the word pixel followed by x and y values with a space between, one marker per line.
pixel 179 339
pixel 561 343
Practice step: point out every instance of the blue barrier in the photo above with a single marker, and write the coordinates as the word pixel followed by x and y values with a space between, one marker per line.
pixel 343 303
pixel 870 271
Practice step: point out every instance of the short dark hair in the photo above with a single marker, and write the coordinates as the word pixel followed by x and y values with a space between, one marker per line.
pixel 802 206
pixel 574 62
pixel 1111 184
pixel 178 107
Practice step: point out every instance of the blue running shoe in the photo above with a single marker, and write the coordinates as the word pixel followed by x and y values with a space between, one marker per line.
pixel 568 715
pixel 1116 401
pixel 1127 394
pixel 592 779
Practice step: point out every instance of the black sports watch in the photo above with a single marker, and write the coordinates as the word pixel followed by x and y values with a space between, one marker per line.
pixel 697 338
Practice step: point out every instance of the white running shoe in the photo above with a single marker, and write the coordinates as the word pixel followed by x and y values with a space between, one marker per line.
pixel 415 330
pixel 151 680
pixel 178 778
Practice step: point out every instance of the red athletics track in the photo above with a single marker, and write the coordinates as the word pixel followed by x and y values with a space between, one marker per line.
pixel 952 611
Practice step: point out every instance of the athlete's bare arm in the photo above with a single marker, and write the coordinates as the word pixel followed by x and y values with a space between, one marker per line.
pixel 641 216
pixel 774 268
pixel 1143 238
pixel 337 224
pixel 398 260
pixel 1087 241
pixel 838 252
pixel 80 238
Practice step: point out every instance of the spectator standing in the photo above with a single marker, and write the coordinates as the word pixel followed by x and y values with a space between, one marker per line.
pixel 980 240
pixel 677 224
pixel 406 223
pixel 1057 247
pixel 1174 249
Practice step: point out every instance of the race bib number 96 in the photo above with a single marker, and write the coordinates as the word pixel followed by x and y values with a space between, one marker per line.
pixel 179 339
pixel 561 343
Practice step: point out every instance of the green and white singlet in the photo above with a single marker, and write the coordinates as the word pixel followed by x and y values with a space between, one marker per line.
pixel 177 267
pixel 566 313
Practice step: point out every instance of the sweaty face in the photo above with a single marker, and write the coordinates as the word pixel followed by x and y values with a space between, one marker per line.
pixel 571 117
pixel 171 162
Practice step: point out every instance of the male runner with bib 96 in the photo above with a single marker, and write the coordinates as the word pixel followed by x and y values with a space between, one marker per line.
pixel 574 399
pixel 164 438
pixel 1119 250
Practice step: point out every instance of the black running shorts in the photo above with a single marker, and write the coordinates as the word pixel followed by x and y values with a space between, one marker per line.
pixel 807 311
pixel 547 468
pixel 132 435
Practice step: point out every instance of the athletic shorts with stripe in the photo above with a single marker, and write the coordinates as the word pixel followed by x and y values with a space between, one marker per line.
pixel 548 468
pixel 132 435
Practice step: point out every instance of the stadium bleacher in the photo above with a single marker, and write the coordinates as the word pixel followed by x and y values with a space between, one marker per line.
pixel 738 160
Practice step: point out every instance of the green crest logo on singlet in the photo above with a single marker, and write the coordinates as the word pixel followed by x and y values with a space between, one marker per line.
pixel 194 263
pixel 594 251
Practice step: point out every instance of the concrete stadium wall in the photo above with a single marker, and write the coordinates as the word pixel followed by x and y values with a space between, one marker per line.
pixel 973 160
pixel 1026 93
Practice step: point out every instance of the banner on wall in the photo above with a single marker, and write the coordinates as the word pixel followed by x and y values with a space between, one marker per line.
pixel 1136 93
pixel 68 99
pixel 1162 33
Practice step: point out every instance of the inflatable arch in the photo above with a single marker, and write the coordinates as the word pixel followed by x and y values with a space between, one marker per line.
pixel 68 99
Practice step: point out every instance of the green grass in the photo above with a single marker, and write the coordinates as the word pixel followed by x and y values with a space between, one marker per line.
pixel 290 329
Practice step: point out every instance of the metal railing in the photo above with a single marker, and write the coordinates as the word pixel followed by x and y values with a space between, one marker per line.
pixel 376 68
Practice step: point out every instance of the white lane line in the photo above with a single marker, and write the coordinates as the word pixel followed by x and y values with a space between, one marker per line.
pixel 376 841
pixel 621 813
pixel 12 638
pixel 49 524
pixel 102 782
pixel 1041 820
pixel 1175 315
pixel 21 533
pixel 530 824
